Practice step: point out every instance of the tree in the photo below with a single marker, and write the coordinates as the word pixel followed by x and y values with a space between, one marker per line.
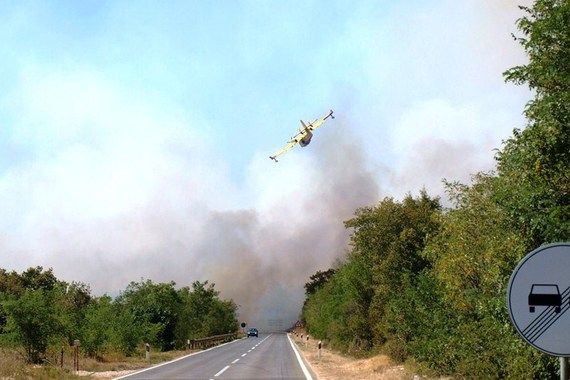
pixel 37 278
pixel 10 286
pixel 203 313
pixel 339 310
pixel 10 283
pixel 317 280
pixel 386 249
pixel 390 238
pixel 97 326
pixel 127 332
pixel 462 297
pixel 534 164
pixel 34 320
pixel 221 318
pixel 74 300
pixel 155 304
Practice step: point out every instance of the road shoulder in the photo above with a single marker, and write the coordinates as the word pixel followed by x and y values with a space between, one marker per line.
pixel 334 366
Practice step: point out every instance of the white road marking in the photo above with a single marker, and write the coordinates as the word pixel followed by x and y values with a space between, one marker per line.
pixel 243 355
pixel 249 351
pixel 222 371
pixel 264 339
pixel 235 361
pixel 303 367
pixel 177 359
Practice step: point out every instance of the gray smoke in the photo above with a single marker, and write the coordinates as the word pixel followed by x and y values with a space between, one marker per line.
pixel 262 262
pixel 260 256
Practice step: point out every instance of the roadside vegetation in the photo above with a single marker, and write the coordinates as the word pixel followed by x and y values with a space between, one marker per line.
pixel 427 284
pixel 40 316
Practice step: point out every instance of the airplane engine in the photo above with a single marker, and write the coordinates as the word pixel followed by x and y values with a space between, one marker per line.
pixel 306 140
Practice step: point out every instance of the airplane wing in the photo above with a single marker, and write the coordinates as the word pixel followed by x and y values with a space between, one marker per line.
pixel 285 149
pixel 318 122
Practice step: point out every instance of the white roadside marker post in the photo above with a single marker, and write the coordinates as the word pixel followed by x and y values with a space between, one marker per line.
pixel 147 352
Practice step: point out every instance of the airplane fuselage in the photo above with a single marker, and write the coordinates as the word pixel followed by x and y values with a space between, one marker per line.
pixel 306 140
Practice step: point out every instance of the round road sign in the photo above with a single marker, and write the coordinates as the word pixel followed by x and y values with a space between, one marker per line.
pixel 539 298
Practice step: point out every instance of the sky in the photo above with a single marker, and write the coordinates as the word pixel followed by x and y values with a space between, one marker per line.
pixel 135 136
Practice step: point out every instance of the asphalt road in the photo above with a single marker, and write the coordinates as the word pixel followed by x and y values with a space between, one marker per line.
pixel 271 356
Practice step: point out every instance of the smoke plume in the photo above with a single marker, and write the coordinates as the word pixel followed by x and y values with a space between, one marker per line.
pixel 115 194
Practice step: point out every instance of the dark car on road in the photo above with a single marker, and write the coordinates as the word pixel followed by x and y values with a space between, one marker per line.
pixel 252 332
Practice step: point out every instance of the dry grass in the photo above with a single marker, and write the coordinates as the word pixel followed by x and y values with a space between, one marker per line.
pixel 332 365
pixel 119 362
pixel 14 366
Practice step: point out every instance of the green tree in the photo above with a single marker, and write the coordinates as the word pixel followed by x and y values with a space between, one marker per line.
pixel 127 332
pixel 203 313
pixel 10 286
pixel 221 318
pixel 477 247
pixel 317 280
pixel 386 248
pixel 38 278
pixel 97 326
pixel 155 304
pixel 10 283
pixel 34 320
pixel 74 299
pixel 338 311
pixel 472 257
pixel 390 238
pixel 534 164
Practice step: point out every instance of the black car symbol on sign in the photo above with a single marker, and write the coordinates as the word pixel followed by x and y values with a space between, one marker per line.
pixel 544 295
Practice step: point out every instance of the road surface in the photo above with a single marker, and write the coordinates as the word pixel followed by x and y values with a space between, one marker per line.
pixel 270 356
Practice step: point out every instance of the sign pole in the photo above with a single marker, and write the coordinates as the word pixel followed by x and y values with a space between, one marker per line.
pixel 564 368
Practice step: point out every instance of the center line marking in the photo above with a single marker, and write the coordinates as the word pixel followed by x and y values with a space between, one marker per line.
pixel 235 361
pixel 243 355
pixel 222 371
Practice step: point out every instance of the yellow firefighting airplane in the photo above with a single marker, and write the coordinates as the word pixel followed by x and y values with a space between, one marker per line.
pixel 304 136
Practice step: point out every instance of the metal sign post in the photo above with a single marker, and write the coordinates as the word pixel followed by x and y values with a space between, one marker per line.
pixel 539 300
pixel 564 369
pixel 76 344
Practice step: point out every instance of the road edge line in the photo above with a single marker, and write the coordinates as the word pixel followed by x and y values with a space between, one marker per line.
pixel 300 360
pixel 174 360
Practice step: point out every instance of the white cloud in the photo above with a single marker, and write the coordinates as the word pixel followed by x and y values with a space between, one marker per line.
pixel 100 155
